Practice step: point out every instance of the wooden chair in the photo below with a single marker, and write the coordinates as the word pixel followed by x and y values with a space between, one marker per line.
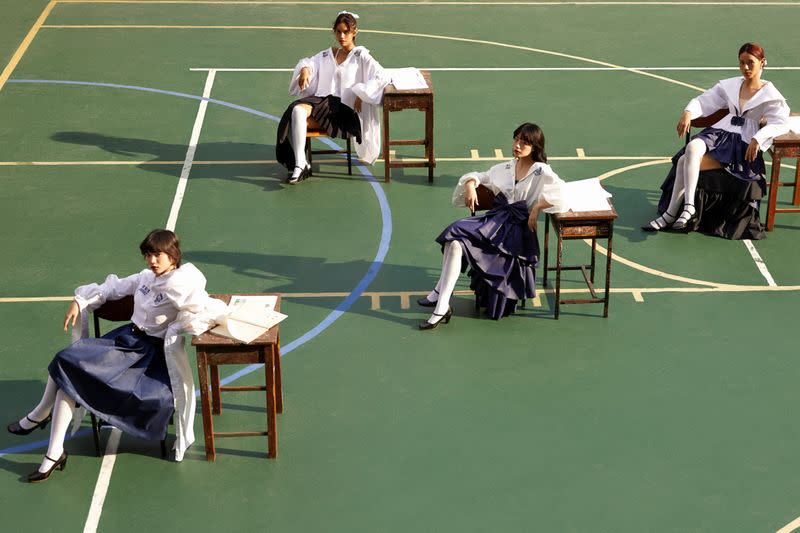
pixel 312 133
pixel 115 311
pixel 486 202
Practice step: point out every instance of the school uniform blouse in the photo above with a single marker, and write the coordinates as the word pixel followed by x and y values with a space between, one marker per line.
pixel 165 306
pixel 359 75
pixel 768 103
pixel 541 182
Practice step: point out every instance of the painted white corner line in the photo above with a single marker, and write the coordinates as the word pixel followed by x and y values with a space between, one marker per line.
pixel 187 162
pixel 762 266
pixel 506 69
pixel 103 480
pixel 791 526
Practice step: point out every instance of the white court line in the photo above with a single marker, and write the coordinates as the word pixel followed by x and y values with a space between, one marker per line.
pixel 103 480
pixel 762 266
pixel 425 3
pixel 508 69
pixel 187 163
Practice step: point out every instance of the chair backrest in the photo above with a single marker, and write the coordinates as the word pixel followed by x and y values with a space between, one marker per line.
pixel 485 199
pixel 113 310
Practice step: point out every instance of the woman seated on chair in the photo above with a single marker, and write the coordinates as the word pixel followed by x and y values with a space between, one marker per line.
pixel 339 89
pixel 725 204
pixel 499 247
pixel 135 376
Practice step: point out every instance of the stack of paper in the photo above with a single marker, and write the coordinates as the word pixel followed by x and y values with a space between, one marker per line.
pixel 249 317
pixel 585 195
pixel 407 79
pixel 794 124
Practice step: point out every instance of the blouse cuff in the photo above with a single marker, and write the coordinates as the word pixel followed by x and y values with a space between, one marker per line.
pixel 553 193
pixel 458 193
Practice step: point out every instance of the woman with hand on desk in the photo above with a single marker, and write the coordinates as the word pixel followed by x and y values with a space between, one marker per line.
pixel 135 376
pixel 725 204
pixel 500 247
pixel 339 89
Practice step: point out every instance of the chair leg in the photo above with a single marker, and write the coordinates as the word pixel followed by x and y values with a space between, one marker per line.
pixel 309 156
pixel 163 448
pixel 349 158
pixel 96 435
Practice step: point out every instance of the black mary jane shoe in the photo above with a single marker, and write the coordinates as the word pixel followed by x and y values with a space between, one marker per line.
pixel 683 223
pixel 300 177
pixel 16 429
pixel 445 318
pixel 424 302
pixel 38 477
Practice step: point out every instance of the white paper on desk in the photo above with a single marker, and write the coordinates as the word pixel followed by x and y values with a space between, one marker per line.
pixel 585 195
pixel 794 124
pixel 249 317
pixel 407 79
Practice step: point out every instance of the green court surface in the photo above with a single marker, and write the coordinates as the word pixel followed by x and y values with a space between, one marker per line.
pixel 674 414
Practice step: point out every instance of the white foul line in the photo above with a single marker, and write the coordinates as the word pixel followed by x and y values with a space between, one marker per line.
pixel 762 266
pixel 103 480
pixel 187 163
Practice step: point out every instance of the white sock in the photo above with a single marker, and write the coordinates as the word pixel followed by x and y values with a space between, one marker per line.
pixel 451 269
pixel 678 188
pixel 694 155
pixel 62 416
pixel 298 138
pixel 44 407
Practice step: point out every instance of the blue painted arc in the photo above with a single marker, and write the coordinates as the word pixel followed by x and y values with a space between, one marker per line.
pixel 344 305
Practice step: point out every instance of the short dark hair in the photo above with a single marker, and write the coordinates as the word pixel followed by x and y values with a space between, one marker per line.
pixel 754 49
pixel 533 135
pixel 162 240
pixel 348 19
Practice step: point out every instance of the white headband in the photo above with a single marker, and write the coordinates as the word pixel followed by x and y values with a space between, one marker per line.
pixel 354 15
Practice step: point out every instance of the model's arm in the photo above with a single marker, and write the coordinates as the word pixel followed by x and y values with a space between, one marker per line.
pixel 90 297
pixel 707 103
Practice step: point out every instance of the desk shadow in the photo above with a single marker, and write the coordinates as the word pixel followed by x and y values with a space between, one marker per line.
pixel 200 453
pixel 635 207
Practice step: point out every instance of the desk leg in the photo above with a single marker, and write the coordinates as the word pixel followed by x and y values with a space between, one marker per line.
pixel 608 270
pixel 774 184
pixel 594 252
pixel 796 198
pixel 205 404
pixel 429 139
pixel 558 272
pixel 546 248
pixel 216 400
pixel 278 385
pixel 386 162
pixel 269 370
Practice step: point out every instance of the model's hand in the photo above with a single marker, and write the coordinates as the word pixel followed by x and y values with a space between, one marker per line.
pixel 302 79
pixel 470 196
pixel 752 151
pixel 532 218
pixel 357 105
pixel 684 123
pixel 72 314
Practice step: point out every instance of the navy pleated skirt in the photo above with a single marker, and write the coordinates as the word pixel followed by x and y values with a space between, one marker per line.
pixel 121 377
pixel 727 199
pixel 501 253
pixel 330 113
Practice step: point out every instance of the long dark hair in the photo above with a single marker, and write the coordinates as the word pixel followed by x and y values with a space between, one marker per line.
pixel 162 240
pixel 533 135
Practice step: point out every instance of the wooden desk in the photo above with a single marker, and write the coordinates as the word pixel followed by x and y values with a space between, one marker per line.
pixel 582 225
pixel 421 99
pixel 214 350
pixel 783 146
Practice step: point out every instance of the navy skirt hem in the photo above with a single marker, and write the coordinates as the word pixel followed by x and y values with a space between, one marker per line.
pixel 330 113
pixel 121 378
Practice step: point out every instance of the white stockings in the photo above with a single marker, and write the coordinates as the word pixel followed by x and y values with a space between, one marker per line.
pixel 451 268
pixel 298 138
pixel 62 416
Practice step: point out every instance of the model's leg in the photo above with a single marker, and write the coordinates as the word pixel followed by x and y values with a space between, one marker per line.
pixel 62 416
pixel 43 409
pixel 451 269
pixel 297 137
pixel 694 155
pixel 669 216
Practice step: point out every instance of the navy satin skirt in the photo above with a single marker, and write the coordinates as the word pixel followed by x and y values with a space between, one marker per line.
pixel 121 378
pixel 501 253
pixel 727 199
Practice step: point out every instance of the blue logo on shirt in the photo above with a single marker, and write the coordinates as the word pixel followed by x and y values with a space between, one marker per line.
pixel 159 297
pixel 537 172
pixel 144 289
pixel 324 54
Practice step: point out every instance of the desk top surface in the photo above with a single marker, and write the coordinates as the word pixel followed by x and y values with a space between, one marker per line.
pixel 390 90
pixel 211 339
pixel 787 138
pixel 586 216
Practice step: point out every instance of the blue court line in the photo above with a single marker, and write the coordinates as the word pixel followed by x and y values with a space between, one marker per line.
pixel 344 305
